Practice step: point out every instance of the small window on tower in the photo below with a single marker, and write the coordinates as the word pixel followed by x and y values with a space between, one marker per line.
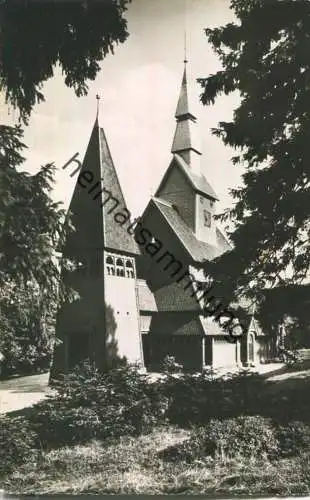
pixel 207 218
pixel 201 199
pixel 110 265
pixel 129 269
pixel 120 267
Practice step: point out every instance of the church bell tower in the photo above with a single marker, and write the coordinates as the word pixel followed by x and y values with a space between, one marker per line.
pixel 103 323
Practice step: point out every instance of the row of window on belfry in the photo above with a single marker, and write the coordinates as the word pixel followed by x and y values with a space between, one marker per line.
pixel 119 267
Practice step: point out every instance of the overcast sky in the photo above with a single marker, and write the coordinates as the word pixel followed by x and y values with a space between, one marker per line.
pixel 139 87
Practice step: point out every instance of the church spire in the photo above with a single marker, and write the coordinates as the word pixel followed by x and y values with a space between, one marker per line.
pixel 185 143
pixel 97 113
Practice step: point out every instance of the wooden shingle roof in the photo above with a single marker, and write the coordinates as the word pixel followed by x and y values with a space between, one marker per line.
pixel 98 207
pixel 198 250
pixel 176 297
pixel 176 324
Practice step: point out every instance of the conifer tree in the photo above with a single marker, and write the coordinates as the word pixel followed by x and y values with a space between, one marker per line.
pixel 265 57
pixel 31 229
pixel 36 35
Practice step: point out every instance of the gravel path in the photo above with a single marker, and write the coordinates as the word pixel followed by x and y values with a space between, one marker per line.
pixel 22 392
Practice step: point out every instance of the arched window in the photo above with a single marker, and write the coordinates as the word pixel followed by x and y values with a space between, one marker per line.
pixel 110 265
pixel 129 269
pixel 120 267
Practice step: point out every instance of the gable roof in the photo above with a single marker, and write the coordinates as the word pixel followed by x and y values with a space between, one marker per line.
pixel 254 327
pixel 211 327
pixel 198 250
pixel 198 182
pixel 94 220
pixel 176 324
pixel 174 297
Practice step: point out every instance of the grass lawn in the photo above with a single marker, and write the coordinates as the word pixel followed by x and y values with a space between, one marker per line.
pixel 135 465
pixel 131 465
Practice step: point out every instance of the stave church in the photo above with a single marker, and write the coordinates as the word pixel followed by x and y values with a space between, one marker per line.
pixel 137 279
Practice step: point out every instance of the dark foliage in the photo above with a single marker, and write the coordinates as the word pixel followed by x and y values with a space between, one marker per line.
pixel 247 437
pixel 264 55
pixel 94 405
pixel 18 443
pixel 31 223
pixel 35 36
pixel 121 402
pixel 194 401
pixel 169 365
pixel 31 226
pixel 294 438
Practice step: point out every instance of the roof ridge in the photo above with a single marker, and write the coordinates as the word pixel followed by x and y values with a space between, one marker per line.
pixel 161 200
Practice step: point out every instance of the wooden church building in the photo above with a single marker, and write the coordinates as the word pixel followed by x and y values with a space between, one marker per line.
pixel 138 280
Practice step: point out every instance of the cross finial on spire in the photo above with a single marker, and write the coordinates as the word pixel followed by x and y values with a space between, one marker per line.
pixel 185 54
pixel 98 99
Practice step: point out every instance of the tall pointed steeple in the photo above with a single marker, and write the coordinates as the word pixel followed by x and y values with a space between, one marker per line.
pixel 186 139
pixel 102 324
pixel 98 197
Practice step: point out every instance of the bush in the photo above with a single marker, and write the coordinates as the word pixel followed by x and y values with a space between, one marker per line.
pixel 18 443
pixel 291 357
pixel 169 365
pixel 247 437
pixel 93 405
pixel 58 424
pixel 22 357
pixel 294 438
pixel 196 400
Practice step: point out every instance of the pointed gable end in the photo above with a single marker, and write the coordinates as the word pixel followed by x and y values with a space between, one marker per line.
pixel 198 182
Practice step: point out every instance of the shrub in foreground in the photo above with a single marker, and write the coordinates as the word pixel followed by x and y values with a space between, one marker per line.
pixel 196 400
pixel 247 437
pixel 18 443
pixel 294 437
pixel 94 405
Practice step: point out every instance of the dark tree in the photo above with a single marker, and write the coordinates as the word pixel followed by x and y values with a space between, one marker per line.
pixel 30 221
pixel 35 35
pixel 31 228
pixel 265 57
